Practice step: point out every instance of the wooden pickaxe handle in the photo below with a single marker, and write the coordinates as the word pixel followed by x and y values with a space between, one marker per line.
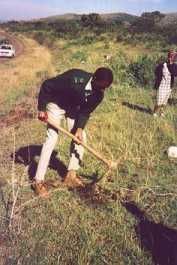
pixel 109 163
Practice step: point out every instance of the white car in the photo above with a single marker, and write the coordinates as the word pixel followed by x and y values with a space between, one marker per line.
pixel 7 50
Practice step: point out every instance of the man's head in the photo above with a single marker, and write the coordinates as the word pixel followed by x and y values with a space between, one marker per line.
pixel 172 56
pixel 102 78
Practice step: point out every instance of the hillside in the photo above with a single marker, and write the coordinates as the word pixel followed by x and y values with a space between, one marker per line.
pixel 170 18
pixel 106 17
pixel 124 17
pixel 69 16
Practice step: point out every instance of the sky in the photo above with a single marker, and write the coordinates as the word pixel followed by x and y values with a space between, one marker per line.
pixel 29 9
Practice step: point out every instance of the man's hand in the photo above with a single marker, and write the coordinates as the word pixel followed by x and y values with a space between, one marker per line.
pixel 42 115
pixel 79 134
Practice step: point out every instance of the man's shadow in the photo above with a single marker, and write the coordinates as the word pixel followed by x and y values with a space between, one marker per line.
pixel 137 107
pixel 26 156
pixel 157 238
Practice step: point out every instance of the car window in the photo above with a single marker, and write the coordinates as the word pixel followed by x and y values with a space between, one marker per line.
pixel 6 47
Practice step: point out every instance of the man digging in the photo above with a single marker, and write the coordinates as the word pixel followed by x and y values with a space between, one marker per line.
pixel 73 95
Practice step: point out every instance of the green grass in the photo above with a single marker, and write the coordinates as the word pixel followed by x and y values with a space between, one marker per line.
pixel 69 229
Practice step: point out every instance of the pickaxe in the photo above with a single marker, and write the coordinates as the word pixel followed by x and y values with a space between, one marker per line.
pixel 109 163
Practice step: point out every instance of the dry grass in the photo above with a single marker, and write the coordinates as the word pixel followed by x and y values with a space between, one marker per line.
pixel 21 74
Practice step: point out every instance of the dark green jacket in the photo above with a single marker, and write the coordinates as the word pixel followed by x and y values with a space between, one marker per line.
pixel 68 92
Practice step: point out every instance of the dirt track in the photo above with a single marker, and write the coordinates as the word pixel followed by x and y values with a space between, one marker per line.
pixel 19 46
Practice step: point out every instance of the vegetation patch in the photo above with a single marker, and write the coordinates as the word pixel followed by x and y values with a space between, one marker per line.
pixel 122 214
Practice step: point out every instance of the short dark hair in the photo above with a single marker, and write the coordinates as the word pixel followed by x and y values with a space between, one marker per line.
pixel 104 74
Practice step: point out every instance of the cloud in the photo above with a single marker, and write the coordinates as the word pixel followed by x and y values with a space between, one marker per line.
pixel 17 9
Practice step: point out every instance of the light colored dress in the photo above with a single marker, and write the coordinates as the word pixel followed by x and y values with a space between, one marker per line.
pixel 164 90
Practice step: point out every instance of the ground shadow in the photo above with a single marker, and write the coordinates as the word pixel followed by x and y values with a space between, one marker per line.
pixel 26 156
pixel 157 238
pixel 94 178
pixel 172 101
pixel 137 107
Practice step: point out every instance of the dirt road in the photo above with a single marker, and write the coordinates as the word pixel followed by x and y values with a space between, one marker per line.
pixel 19 46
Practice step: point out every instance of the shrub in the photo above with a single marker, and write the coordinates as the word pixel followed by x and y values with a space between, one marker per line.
pixel 88 39
pixel 44 38
pixel 120 64
pixel 142 70
pixel 39 37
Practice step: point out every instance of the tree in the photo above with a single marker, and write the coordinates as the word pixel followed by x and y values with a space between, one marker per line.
pixel 155 16
pixel 147 22
pixel 91 20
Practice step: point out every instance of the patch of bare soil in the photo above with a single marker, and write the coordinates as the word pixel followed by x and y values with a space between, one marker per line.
pixel 95 194
pixel 26 108
pixel 91 193
pixel 21 112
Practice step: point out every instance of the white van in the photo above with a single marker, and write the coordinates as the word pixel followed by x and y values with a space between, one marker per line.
pixel 7 50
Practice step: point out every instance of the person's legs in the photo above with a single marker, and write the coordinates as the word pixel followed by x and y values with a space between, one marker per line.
pixel 76 150
pixel 163 95
pixel 56 114
pixel 76 155
pixel 156 109
pixel 165 101
pixel 162 110
pixel 47 149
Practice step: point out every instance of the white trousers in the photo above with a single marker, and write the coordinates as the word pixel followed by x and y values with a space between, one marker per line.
pixel 76 151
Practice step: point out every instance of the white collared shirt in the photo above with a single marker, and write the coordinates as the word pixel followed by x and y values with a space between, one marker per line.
pixel 88 89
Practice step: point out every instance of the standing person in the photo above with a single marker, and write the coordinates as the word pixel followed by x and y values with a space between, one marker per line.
pixel 164 80
pixel 73 95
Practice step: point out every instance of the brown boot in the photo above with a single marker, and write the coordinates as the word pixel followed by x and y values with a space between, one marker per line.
pixel 72 181
pixel 40 189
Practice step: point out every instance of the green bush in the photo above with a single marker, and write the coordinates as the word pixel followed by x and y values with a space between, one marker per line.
pixel 39 37
pixel 120 65
pixel 44 38
pixel 88 39
pixel 139 72
pixel 142 70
